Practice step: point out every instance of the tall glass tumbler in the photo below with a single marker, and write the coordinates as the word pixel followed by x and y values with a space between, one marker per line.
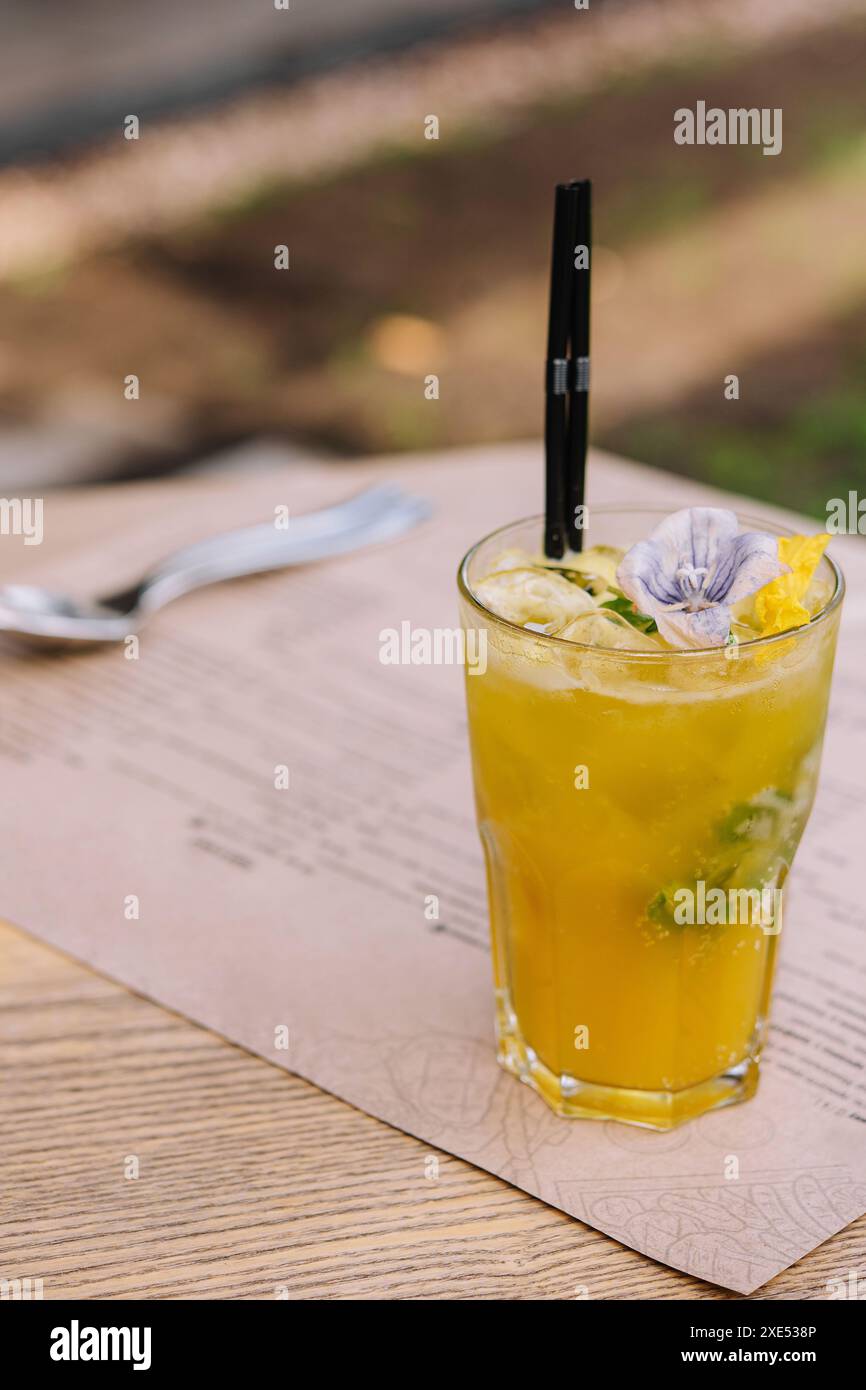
pixel 639 812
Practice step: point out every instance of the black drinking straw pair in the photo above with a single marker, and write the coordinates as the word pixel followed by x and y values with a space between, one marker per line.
pixel 567 378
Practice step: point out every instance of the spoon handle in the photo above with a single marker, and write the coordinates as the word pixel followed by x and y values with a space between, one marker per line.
pixel 377 514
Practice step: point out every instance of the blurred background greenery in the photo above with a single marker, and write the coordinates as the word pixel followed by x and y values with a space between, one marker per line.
pixel 306 127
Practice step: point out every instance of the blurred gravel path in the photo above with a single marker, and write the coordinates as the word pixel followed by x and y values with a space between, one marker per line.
pixel 65 68
pixel 179 170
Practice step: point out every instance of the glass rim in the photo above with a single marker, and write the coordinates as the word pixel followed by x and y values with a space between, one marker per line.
pixel 634 654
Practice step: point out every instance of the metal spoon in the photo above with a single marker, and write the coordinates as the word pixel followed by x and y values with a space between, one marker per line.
pixel 378 514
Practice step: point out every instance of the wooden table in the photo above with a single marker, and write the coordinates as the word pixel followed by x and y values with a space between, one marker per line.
pixel 253 1184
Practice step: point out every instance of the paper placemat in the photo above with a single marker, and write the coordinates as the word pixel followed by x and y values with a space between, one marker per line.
pixel 142 832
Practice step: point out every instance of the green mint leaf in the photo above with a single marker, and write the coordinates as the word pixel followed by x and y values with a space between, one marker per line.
pixel 626 609
pixel 754 820
pixel 661 909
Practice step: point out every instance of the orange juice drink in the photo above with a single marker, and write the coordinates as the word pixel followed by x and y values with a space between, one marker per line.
pixel 639 807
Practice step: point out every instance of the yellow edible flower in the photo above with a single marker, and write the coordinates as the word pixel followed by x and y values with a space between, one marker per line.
pixel 778 606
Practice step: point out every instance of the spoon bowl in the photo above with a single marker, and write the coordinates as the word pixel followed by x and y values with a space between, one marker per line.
pixel 44 616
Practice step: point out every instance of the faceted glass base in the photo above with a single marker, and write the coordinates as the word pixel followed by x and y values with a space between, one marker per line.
pixel 653 1109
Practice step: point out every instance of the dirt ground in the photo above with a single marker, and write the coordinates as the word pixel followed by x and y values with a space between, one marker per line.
pixel 436 262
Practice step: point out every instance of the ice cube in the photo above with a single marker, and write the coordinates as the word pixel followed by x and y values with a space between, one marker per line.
pixel 604 628
pixel 514 559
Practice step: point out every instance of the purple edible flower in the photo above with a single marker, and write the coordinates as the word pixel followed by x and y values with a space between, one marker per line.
pixel 692 569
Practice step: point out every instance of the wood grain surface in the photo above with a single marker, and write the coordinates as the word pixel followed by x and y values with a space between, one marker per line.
pixel 254 1184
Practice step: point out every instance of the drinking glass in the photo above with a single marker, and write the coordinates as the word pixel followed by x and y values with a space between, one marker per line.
pixel 615 791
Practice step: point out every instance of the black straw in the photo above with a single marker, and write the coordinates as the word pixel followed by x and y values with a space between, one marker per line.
pixel 556 381
pixel 578 410
pixel 567 376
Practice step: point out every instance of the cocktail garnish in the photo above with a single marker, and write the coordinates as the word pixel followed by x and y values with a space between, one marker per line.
pixel 692 569
pixel 593 583
pixel 532 595
pixel 594 569
pixel 779 605
pixel 755 842
pixel 756 819
pixel 626 609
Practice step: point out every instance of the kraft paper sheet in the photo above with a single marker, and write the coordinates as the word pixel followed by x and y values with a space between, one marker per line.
pixel 304 909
